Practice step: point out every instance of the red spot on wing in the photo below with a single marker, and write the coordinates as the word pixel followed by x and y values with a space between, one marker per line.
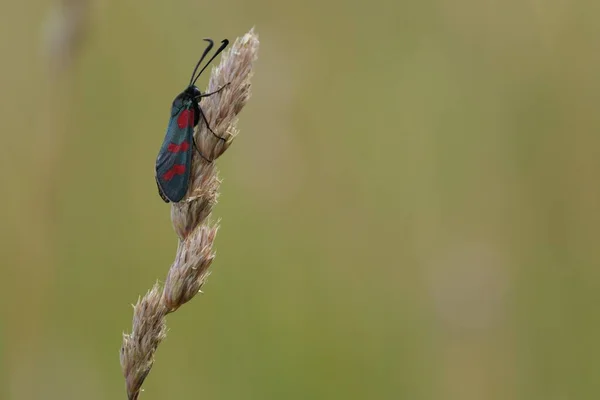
pixel 176 148
pixel 185 119
pixel 177 169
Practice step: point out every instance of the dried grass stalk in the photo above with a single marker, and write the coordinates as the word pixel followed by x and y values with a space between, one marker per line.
pixel 190 216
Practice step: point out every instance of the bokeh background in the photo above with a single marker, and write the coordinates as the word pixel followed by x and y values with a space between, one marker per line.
pixel 411 211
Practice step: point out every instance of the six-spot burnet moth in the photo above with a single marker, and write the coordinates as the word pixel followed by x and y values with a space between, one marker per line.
pixel 174 159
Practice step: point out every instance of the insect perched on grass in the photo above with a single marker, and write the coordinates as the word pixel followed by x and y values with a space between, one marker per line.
pixel 174 159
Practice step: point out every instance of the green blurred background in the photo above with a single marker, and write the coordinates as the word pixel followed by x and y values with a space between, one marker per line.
pixel 411 209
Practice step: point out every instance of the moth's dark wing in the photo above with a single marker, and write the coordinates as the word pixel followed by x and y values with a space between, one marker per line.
pixel 175 160
pixel 160 192
pixel 173 169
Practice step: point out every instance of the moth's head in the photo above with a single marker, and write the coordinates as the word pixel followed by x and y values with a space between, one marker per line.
pixel 192 91
pixel 189 96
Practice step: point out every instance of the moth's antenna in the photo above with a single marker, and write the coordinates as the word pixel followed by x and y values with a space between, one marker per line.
pixel 208 48
pixel 224 44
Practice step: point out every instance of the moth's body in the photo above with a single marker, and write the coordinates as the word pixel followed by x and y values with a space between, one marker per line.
pixel 174 159
pixel 175 156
